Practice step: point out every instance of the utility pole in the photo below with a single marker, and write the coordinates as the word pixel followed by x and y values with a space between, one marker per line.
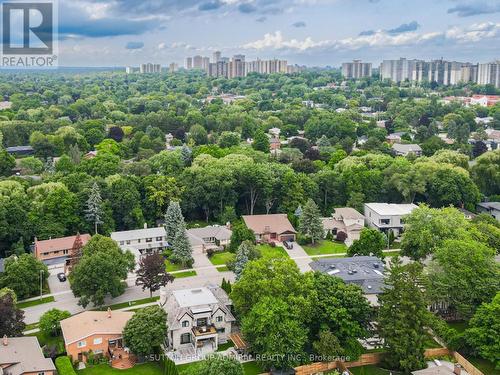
pixel 41 284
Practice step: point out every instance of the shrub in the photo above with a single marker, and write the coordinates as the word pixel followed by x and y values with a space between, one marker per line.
pixel 64 366
pixel 341 236
pixel 169 367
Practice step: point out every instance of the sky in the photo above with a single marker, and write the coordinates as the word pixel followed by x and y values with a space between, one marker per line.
pixel 309 32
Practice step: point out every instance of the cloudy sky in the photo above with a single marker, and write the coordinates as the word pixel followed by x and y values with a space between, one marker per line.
pixel 310 32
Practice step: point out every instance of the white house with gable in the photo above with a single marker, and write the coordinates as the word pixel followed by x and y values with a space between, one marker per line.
pixel 141 241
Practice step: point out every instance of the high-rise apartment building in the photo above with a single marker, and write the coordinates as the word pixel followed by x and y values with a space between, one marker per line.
pixel 216 57
pixel 173 67
pixel 197 62
pixel 489 74
pixel 398 70
pixel 129 70
pixel 150 68
pixel 356 69
pixel 189 63
pixel 237 66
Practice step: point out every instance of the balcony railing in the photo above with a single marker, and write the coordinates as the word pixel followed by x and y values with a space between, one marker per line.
pixel 204 330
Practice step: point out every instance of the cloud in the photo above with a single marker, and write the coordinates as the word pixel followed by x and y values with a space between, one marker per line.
pixel 299 24
pixel 134 45
pixel 247 8
pixel 213 5
pixel 276 41
pixel 467 10
pixel 367 32
pixel 261 19
pixel 404 28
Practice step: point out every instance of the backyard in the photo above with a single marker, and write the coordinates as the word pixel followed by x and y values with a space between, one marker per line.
pixel 249 368
pixel 325 247
pixel 142 369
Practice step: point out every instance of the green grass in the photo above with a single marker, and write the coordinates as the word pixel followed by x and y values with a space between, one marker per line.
pixel 486 367
pixel 430 343
pixel 49 340
pixel 172 266
pixel 226 346
pixel 371 370
pixel 187 368
pixel 252 368
pixel 122 305
pixel 180 275
pixel 220 258
pixel 392 254
pixel 31 326
pixel 23 305
pixel 144 369
pixel 325 247
pixel 272 252
pixel 222 269
pixel 458 326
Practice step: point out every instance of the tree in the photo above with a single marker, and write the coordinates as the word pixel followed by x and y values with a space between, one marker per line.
pixel 50 321
pixel 76 251
pixel 198 134
pixel 328 346
pixel 486 172
pixel 182 251
pixel 146 330
pixel 240 233
pixel 242 257
pixel 116 133
pixel 186 155
pixel 219 364
pixel 22 275
pixel 483 333
pixel 403 316
pixel 93 211
pixel 101 271
pixel 310 224
pixel 464 274
pixel 479 149
pixel 169 367
pixel 173 219
pixel 260 141
pixel 152 274
pixel 371 242
pixel 11 318
pixel 7 163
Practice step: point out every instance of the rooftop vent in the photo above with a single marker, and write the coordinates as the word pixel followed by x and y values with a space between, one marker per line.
pixel 332 266
pixel 375 265
pixel 196 291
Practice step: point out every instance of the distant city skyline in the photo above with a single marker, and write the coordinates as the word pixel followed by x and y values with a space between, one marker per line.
pixel 304 32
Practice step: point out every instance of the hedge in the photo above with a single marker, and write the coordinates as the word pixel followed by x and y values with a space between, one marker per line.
pixel 64 366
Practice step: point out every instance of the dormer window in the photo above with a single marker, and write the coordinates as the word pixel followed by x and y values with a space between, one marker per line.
pixel 185 323
pixel 219 319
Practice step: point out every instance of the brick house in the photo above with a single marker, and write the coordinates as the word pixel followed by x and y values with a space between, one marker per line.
pixel 273 227
pixel 57 250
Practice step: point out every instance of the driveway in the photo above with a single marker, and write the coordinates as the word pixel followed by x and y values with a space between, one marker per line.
pixel 55 285
pixel 299 255
pixel 203 265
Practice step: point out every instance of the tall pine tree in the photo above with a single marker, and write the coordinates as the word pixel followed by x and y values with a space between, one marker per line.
pixel 242 258
pixel 182 251
pixel 93 211
pixel 173 220
pixel 310 223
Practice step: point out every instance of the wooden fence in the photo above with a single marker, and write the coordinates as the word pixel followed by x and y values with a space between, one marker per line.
pixel 466 365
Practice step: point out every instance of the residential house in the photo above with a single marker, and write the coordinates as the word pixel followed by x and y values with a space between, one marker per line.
pixel 402 149
pixel 98 331
pixel 142 241
pixel 23 356
pixel 198 319
pixel 387 216
pixel 274 144
pixel 90 155
pixel 365 271
pixel 20 150
pixel 467 214
pixel 56 251
pixel 273 227
pixel 209 237
pixel 491 208
pixel 394 137
pixel 347 220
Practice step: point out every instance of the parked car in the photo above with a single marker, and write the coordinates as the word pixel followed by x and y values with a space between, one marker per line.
pixel 288 244
pixel 62 277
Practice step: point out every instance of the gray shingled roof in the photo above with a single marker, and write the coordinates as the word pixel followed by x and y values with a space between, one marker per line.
pixel 23 354
pixel 365 271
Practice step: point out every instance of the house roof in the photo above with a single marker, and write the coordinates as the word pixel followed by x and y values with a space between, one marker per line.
pixel 62 243
pixel 18 149
pixel 274 223
pixel 89 323
pixel 388 209
pixel 490 205
pixel 347 213
pixel 219 232
pixel 365 271
pixel 1 265
pixel 23 355
pixel 139 233
pixel 406 148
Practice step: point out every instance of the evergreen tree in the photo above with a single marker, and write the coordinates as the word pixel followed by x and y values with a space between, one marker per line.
pixel 182 250
pixel 403 316
pixel 260 141
pixel 169 367
pixel 74 154
pixel 323 142
pixel 93 211
pixel 173 219
pixel 242 258
pixel 186 155
pixel 310 221
pixel 18 247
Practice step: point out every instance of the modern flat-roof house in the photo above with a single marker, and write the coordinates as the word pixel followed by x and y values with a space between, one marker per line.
pixel 141 241
pixel 209 237
pixel 23 356
pixel 387 216
pixel 401 149
pixel 347 220
pixel 99 332
pixel 364 271
pixel 198 319
pixel 274 227
pixel 491 208
pixel 57 250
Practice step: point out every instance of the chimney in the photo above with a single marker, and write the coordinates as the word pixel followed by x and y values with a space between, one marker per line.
pixel 5 340
pixel 109 312
pixel 457 370
pixel 145 225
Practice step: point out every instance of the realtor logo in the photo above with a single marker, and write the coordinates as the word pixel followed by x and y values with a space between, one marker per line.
pixel 29 37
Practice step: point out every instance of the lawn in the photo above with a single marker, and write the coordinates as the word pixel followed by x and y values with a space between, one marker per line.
pixel 430 343
pixel 180 275
pixel 143 369
pixel 273 252
pixel 122 305
pixel 221 258
pixel 486 367
pixel 226 346
pixel 222 269
pixel 325 247
pixel 187 368
pixel 371 370
pixel 458 326
pixel 172 266
pixel 49 340
pixel 23 305
pixel 249 368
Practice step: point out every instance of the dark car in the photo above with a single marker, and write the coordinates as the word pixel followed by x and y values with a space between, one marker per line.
pixel 62 277
pixel 288 244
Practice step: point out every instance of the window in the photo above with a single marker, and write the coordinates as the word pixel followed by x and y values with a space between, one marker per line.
pixel 202 322
pixel 128 242
pixel 98 340
pixel 221 330
pixel 149 239
pixel 219 319
pixel 81 344
pixel 65 252
pixel 158 238
pixel 385 221
pixel 185 338
pixel 138 240
pixel 185 323
pixel 122 243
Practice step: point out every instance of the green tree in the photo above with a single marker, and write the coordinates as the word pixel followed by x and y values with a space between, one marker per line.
pixel 260 141
pixel 327 346
pixel 50 321
pixel 7 163
pixel 198 134
pixel 182 251
pixel 22 274
pixel 371 242
pixel 152 274
pixel 310 224
pixel 229 139
pixel 101 271
pixel 173 219
pixel 11 318
pixel 486 172
pixel 146 330
pixel 93 211
pixel 402 317
pixel 240 233
pixel 219 364
pixel 242 257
